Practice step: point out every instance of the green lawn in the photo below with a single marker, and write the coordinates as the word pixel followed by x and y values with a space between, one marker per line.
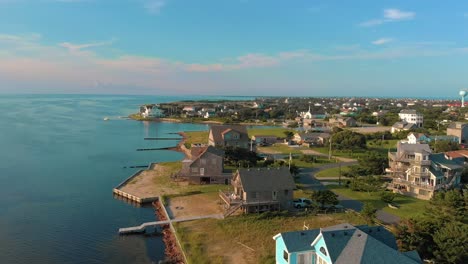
pixel 249 237
pixel 196 137
pixel 281 149
pixel 272 131
pixel 333 172
pixel 409 206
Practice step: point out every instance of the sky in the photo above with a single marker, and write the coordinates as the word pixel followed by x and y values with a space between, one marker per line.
pixel 234 47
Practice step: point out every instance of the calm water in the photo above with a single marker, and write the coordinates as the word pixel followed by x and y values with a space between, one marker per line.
pixel 58 164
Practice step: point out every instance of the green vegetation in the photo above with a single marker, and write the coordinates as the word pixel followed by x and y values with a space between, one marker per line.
pixel 332 172
pixel 325 197
pixel 369 212
pixel 409 206
pixel 273 131
pixel 204 241
pixel 349 140
pixel 441 232
pixel 194 137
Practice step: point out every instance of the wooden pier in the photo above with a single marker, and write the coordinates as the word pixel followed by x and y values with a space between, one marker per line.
pixel 141 228
pixel 162 138
pixel 147 149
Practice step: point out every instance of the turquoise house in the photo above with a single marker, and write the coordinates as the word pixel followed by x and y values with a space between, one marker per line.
pixel 341 244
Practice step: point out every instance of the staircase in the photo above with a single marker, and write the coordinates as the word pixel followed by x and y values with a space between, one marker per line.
pixel 232 209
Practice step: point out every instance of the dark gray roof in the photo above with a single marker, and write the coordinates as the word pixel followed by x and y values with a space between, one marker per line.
pixel 266 179
pixel 349 244
pixel 298 241
pixel 218 130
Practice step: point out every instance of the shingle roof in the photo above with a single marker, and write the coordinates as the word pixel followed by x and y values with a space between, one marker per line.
pixel 219 130
pixel 440 159
pixel 350 244
pixel 197 152
pixel 260 179
pixel 413 148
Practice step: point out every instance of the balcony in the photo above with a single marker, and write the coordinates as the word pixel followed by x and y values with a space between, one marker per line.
pixel 423 185
pixel 421 162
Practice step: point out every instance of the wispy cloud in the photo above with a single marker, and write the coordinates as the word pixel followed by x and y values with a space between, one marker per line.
pixel 390 15
pixel 154 6
pixel 382 41
pixel 78 48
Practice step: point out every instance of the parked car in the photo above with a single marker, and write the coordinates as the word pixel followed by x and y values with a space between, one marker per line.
pixel 302 203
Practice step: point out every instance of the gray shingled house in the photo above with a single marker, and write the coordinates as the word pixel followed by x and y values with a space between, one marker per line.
pixel 225 136
pixel 341 244
pixel 204 166
pixel 260 190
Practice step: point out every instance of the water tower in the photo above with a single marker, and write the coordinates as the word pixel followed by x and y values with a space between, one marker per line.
pixel 462 93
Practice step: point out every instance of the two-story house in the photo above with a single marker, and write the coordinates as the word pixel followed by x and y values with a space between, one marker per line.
pixel 411 116
pixel 459 130
pixel 228 136
pixel 419 173
pixel 260 190
pixel 341 244
pixel 204 166
pixel 342 121
pixel 311 139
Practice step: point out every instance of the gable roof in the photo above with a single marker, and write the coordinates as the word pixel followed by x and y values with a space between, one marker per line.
pixel 413 148
pixel 352 244
pixel 269 179
pixel 218 132
pixel 197 152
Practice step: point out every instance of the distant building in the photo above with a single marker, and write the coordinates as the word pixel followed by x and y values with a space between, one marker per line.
pixel 148 111
pixel 412 117
pixel 342 121
pixel 341 244
pixel 459 130
pixel 228 136
pixel 311 139
pixel 261 140
pixel 402 126
pixel 419 173
pixel 416 138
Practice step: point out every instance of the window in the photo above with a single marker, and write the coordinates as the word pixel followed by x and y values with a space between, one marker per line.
pixel 304 258
pixel 323 251
pixel 254 195
pixel 194 169
pixel 321 260
pixel 213 161
pixel 286 192
pixel 285 255
pixel 203 161
pixel 274 195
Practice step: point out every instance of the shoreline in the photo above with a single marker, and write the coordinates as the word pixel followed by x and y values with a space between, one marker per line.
pixel 136 117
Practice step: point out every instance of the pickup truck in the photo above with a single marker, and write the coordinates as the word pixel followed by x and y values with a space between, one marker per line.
pixel 302 203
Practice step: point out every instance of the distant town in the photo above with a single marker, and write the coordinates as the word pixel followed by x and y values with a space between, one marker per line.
pixel 322 179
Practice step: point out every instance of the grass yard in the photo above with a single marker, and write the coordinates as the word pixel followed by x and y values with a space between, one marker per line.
pixel 271 131
pixel 281 149
pixel 332 172
pixel 196 137
pixel 409 206
pixel 246 238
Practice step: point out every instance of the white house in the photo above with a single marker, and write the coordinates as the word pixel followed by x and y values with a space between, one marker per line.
pixel 412 117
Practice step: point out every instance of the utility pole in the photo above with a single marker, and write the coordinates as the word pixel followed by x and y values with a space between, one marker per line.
pixel 330 150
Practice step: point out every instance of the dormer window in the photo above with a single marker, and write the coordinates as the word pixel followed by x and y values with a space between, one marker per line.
pixel 323 251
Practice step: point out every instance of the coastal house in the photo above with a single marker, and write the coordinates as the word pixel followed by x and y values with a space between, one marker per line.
pixel 228 136
pixel 342 121
pixel 150 110
pixel 460 130
pixel 264 140
pixel 411 116
pixel 417 172
pixel 311 139
pixel 341 244
pixel 204 166
pixel 260 190
pixel 402 126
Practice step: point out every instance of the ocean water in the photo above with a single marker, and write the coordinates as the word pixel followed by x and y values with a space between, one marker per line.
pixel 58 164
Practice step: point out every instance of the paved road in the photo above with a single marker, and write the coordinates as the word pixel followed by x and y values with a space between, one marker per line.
pixel 309 182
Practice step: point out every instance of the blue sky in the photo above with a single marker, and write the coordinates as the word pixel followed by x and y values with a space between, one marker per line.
pixel 234 47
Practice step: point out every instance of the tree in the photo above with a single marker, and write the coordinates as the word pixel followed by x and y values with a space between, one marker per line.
pixel 294 170
pixel 444 146
pixel 387 197
pixel 288 134
pixel 452 243
pixel 244 157
pixel 325 197
pixel 368 211
pixel 348 139
pixel 370 164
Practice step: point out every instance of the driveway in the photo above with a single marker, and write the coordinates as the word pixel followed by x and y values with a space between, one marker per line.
pixel 309 182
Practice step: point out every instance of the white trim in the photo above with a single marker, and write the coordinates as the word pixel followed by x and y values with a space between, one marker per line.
pixel 317 239
pixel 276 236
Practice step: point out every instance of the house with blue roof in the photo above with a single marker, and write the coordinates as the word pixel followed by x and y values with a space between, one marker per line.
pixel 341 244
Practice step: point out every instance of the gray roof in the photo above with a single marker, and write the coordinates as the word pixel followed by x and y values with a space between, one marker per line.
pixel 457 125
pixel 408 111
pixel 266 179
pixel 350 244
pixel 219 130
pixel 404 125
pixel 413 148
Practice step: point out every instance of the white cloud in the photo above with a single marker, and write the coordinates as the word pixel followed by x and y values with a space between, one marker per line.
pixel 382 41
pixel 77 48
pixel 390 15
pixel 154 6
pixel 396 14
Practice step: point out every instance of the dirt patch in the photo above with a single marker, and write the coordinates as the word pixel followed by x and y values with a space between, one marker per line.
pixel 373 129
pixel 150 183
pixel 267 150
pixel 195 205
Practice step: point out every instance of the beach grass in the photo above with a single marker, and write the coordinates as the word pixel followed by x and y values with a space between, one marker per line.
pixel 270 131
pixel 247 238
pixel 332 172
pixel 194 137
